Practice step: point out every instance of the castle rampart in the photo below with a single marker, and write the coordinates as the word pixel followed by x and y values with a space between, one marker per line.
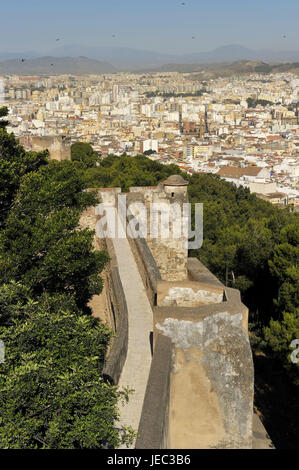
pixel 200 383
pixel 58 146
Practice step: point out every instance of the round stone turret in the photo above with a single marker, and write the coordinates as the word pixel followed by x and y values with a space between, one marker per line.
pixel 175 180
pixel 175 185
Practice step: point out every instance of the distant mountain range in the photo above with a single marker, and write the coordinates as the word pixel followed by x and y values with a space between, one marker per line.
pixel 236 52
pixel 110 59
pixel 55 66
pixel 227 69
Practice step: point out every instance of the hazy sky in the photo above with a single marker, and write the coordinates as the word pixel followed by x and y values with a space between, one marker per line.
pixel 164 26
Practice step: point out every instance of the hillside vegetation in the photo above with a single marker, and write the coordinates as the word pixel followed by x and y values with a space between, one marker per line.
pixel 52 393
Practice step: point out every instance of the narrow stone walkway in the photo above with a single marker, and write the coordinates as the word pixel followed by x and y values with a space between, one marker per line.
pixel 140 318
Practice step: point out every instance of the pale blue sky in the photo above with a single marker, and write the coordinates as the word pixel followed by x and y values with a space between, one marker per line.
pixel 163 26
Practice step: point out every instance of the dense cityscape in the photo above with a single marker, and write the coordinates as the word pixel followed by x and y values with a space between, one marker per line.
pixel 243 128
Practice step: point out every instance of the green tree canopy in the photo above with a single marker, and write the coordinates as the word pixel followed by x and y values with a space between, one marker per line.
pixel 127 171
pixel 52 394
pixel 279 336
pixel 3 113
pixel 42 245
pixel 51 387
pixel 15 162
pixel 83 152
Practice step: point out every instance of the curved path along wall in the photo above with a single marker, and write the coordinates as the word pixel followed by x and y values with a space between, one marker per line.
pixel 136 369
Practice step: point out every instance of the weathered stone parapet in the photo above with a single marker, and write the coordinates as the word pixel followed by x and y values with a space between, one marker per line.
pixel 163 210
pixel 200 273
pixel 232 304
pixel 114 298
pixel 188 294
pixel 153 432
pixel 261 439
pixel 211 392
pixel 143 189
pixel 117 355
pixel 147 267
pixel 211 385
pixel 59 147
pixel 109 196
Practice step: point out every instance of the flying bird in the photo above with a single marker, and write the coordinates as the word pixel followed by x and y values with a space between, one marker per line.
pixel 57 39
pixel 284 36
pixel 23 60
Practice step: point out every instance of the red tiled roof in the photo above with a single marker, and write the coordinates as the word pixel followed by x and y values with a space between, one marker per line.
pixel 236 172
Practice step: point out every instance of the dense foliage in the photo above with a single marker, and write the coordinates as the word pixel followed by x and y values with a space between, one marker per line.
pixel 125 171
pixel 52 394
pixel 14 164
pixel 3 114
pixel 254 103
pixel 84 153
pixel 152 94
pixel 41 245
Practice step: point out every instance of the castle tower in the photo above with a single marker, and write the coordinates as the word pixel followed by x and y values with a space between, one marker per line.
pixel 169 247
pixel 175 185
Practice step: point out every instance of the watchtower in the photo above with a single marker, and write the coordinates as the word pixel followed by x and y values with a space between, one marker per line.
pixel 167 238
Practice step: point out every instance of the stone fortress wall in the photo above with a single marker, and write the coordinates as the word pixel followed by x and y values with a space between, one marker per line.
pixel 59 147
pixel 170 254
pixel 112 307
pixel 201 382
